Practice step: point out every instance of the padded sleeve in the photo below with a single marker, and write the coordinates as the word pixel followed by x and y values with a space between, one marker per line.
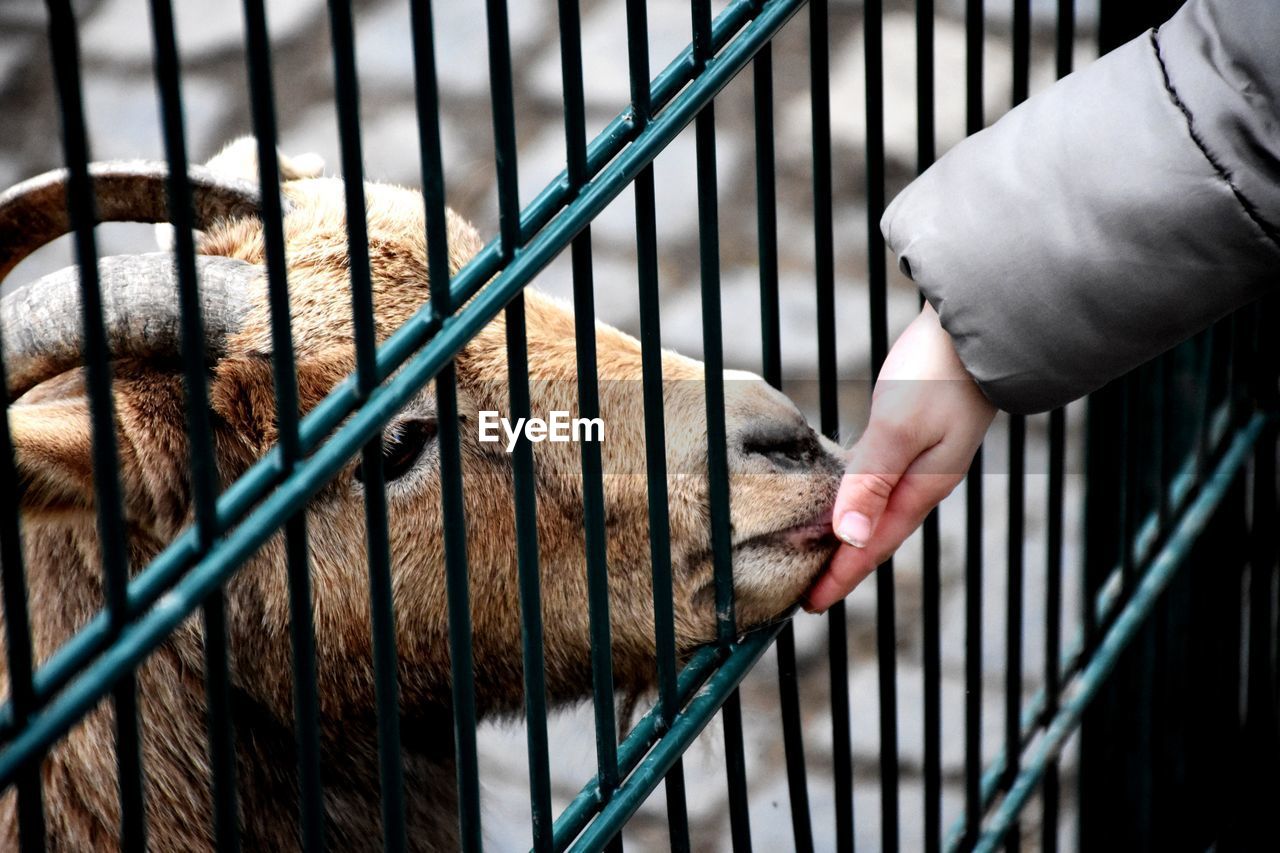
pixel 1112 216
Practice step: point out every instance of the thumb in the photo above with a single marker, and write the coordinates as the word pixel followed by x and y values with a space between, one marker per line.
pixel 876 464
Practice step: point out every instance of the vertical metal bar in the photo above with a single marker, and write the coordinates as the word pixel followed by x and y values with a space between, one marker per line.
pixel 386 681
pixel 1053 616
pixel 771 349
pixel 502 98
pixel 872 33
pixel 654 421
pixel 1236 390
pixel 302 631
pixel 461 660
pixel 17 625
pixel 656 475
pixel 1013 612
pixel 427 100
pixel 526 507
pixel 427 109
pixel 1050 791
pixel 931 581
pixel 886 641
pixel 713 347
pixel 973 651
pixel 456 576
pixel 598 585
pixel 1162 437
pixel 736 771
pixel 930 578
pixel 973 38
pixel 767 217
pixel 1064 53
pixel 1205 401
pixel 926 133
pixel 65 49
pixel 588 389
pixel 829 414
pixel 1021 50
pixel 793 742
pixel 717 450
pixel 974 122
pixel 1017 465
pixel 1102 541
pixel 204 476
pixel 1128 485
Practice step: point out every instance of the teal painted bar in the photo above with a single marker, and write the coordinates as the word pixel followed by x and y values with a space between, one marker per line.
pixel 588 803
pixel 1105 606
pixel 687 726
pixel 1145 595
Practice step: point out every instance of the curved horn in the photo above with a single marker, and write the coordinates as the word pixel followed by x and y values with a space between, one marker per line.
pixel 34 212
pixel 41 322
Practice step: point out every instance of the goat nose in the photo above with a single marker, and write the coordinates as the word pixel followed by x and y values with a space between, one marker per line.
pixel 763 422
pixel 783 445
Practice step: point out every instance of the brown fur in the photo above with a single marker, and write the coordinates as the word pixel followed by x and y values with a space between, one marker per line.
pixel 778 506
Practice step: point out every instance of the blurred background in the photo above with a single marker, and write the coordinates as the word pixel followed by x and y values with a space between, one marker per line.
pixel 123 122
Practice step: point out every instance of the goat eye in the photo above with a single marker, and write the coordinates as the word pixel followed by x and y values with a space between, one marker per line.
pixel 402 445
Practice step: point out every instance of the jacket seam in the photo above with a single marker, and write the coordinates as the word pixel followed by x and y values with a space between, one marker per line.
pixel 1251 210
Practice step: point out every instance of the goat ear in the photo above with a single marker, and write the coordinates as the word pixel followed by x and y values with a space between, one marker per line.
pixel 239 159
pixel 53 449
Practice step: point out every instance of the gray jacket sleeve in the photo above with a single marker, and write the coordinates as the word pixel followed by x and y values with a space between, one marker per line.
pixel 1103 221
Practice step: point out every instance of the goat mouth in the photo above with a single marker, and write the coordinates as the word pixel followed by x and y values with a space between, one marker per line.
pixel 812 535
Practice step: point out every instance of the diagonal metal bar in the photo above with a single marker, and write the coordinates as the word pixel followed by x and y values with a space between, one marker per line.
pixel 1104 609
pixel 1147 592
pixel 687 726
pixel 652 726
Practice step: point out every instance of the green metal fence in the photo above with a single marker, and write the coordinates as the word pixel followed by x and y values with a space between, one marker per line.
pixel 1180 467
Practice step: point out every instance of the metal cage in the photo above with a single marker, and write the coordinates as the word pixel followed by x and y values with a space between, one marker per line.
pixel 1172 682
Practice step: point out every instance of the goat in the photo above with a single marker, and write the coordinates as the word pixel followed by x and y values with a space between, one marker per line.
pixel 783 480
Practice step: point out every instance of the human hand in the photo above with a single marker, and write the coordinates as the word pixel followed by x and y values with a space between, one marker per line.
pixel 927 420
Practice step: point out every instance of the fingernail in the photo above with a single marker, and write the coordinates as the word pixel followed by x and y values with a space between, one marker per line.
pixel 855 529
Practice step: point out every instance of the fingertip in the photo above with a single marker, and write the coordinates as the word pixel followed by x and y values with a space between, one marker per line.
pixel 854 528
pixel 816 600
